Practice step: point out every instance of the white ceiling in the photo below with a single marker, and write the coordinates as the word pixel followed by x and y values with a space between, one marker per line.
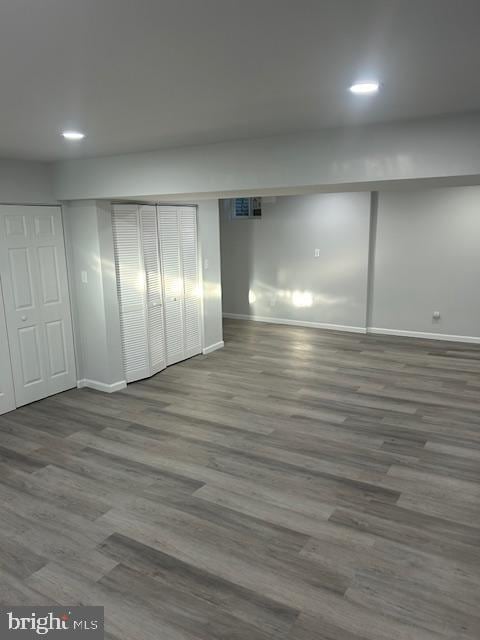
pixel 144 74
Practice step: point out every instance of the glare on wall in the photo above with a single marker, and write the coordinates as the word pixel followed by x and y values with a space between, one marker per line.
pixel 302 298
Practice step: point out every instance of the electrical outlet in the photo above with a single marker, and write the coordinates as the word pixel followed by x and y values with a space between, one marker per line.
pixel 436 315
pixel 84 277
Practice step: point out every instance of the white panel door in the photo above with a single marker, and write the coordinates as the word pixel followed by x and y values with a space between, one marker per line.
pixel 131 288
pixel 37 305
pixel 168 228
pixel 7 397
pixel 154 296
pixel 191 280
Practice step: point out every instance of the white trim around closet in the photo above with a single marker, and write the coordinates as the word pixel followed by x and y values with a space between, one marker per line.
pixel 102 386
pixel 213 347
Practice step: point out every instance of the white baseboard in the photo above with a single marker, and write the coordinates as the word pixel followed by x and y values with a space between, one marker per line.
pixel 424 335
pixel 102 386
pixel 374 330
pixel 297 323
pixel 213 347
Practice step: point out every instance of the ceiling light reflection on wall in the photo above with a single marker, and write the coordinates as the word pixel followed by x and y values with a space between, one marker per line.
pixel 73 135
pixel 364 87
pixel 302 299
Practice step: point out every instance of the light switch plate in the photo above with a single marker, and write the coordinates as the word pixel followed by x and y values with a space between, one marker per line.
pixel 84 277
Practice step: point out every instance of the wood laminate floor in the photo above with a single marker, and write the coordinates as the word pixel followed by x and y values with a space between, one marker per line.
pixel 297 485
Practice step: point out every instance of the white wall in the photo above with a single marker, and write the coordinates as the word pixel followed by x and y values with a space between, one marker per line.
pixel 95 314
pixel 268 264
pixel 350 159
pixel 427 259
pixel 209 244
pixel 26 182
pixel 419 251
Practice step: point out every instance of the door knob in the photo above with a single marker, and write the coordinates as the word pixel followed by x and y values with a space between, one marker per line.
pixel 23 318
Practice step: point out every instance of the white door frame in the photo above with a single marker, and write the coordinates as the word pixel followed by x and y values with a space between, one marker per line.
pixel 7 392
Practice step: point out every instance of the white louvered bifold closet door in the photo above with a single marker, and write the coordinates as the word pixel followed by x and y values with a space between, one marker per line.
pixel 139 285
pixel 168 229
pixel 187 217
pixel 131 291
pixel 177 228
pixel 154 298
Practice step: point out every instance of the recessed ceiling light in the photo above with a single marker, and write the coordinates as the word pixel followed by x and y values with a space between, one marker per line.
pixel 73 135
pixel 365 87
